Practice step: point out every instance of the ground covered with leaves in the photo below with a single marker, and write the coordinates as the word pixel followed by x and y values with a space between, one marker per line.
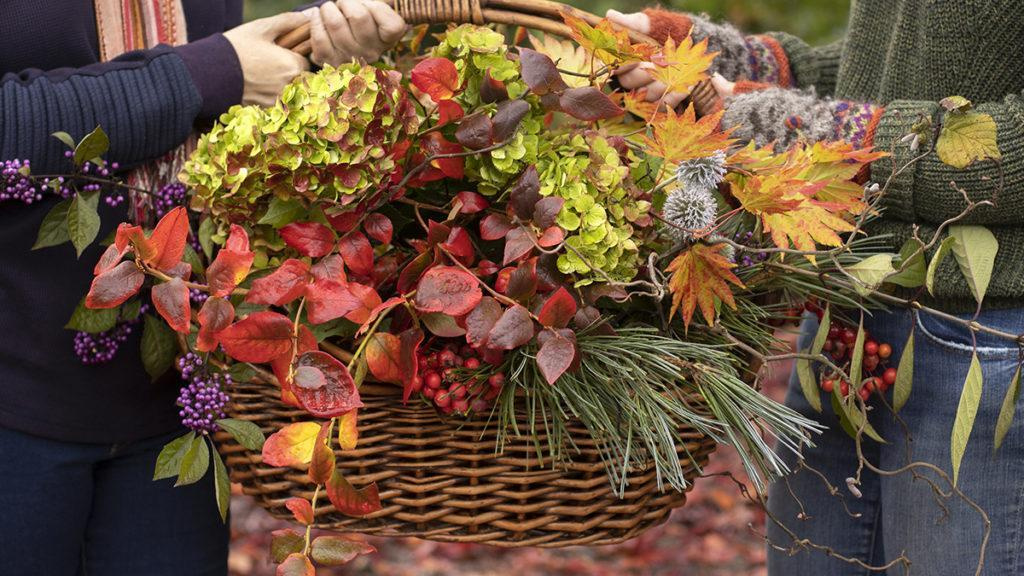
pixel 715 534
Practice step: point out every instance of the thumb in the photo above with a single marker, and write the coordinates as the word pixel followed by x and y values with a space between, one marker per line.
pixel 723 87
pixel 637 21
pixel 273 27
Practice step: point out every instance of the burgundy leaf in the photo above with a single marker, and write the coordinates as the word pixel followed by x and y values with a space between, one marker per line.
pixel 330 268
pixel 518 243
pixel 525 193
pixel 475 132
pixel 460 246
pixel 492 90
pixel 379 227
pixel 447 289
pixel 522 284
pixel 338 396
pixel 350 501
pixel 557 353
pixel 355 249
pixel 494 227
pixel 540 73
pixel 588 103
pixel 471 202
pixel 546 211
pixel 507 118
pixel 512 330
pixel 113 287
pixel 558 309
pixel 215 315
pixel 481 320
pixel 171 301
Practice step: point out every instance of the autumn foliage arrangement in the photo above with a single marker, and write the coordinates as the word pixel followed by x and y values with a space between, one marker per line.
pixel 491 227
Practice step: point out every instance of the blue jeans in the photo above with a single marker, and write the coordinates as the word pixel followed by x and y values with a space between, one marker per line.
pixel 93 510
pixel 898 514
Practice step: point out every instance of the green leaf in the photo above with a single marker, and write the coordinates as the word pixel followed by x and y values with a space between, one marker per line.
pixel 85 319
pixel 281 212
pixel 857 358
pixel 904 375
pixel 65 138
pixel 808 383
pixel 1008 408
pixel 970 399
pixel 851 418
pixel 168 462
pixel 83 220
pixel 870 272
pixel 54 229
pixel 159 346
pixel 911 268
pixel 246 433
pixel 975 250
pixel 194 463
pixel 335 551
pixel 207 229
pixel 193 260
pixel 284 543
pixel 944 247
pixel 221 484
pixel 966 138
pixel 94 145
pixel 130 310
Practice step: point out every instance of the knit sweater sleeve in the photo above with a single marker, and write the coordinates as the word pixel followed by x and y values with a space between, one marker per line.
pixel 816 66
pixel 146 101
pixel 922 191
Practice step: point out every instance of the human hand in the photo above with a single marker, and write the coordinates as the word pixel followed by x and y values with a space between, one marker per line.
pixel 353 29
pixel 266 67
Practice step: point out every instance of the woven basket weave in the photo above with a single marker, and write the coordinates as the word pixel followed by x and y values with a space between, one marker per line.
pixel 441 478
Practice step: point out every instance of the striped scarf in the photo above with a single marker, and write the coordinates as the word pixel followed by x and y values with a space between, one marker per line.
pixel 126 25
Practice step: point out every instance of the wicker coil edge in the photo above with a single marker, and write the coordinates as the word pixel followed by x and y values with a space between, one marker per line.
pixel 441 479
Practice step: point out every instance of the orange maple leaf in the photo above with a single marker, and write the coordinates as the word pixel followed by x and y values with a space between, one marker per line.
pixel 605 41
pixel 677 138
pixel 700 277
pixel 680 67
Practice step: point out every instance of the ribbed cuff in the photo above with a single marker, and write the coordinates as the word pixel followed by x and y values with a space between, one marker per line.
pixel 898 121
pixel 808 66
pixel 666 24
pixel 216 73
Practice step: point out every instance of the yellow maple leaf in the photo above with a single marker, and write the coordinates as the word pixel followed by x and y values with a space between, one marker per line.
pixel 700 278
pixel 635 102
pixel 677 138
pixel 605 41
pixel 680 67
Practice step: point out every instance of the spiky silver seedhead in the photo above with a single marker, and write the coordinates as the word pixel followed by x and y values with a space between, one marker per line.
pixel 689 211
pixel 702 173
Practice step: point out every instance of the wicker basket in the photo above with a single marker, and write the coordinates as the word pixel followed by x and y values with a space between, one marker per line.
pixel 441 478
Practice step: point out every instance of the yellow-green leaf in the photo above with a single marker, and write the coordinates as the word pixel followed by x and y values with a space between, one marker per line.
pixel 966 138
pixel 904 375
pixel 870 272
pixel 808 383
pixel 1008 408
pixel 975 250
pixel 857 358
pixel 944 247
pixel 970 399
pixel 851 419
pixel 911 269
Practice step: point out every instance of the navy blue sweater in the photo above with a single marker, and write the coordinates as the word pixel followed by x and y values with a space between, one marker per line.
pixel 147 101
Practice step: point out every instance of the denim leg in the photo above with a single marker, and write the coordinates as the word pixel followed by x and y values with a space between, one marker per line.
pixel 139 526
pixel 45 496
pixel 946 538
pixel 826 521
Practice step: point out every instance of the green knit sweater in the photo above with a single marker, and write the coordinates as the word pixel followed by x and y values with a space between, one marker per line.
pixel 907 55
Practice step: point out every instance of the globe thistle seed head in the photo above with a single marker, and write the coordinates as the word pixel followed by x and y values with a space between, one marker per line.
pixel 690 210
pixel 702 173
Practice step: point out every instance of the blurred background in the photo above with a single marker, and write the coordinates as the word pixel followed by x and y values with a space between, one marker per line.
pixel 716 534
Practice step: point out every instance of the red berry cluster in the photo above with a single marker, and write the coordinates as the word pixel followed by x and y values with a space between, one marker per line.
pixel 878 375
pixel 456 381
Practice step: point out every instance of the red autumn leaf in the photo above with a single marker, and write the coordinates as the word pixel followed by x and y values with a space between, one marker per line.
pixel 228 270
pixel 291 445
pixel 171 301
pixel 215 315
pixel 546 211
pixel 558 310
pixel 281 286
pixel 437 78
pixel 345 221
pixel 481 320
pixel 540 73
pixel 350 501
pixel 588 103
pixel 447 289
pixel 128 234
pixel 367 299
pixel 381 308
pixel 259 337
pixel 492 90
pixel 448 111
pixel 413 271
pixel 440 151
pixel 113 287
pixel 471 202
pixel 336 551
pixel 309 377
pixel 110 258
pixel 282 364
pixel 501 282
pixel 507 118
pixel 486 268
pixel 182 270
pixel 311 239
pixel 238 239
pixel 355 249
pixel 168 239
pixel 460 246
pixel 525 193
pixel 296 565
pixel 301 509
pixel 476 131
pixel 494 227
pixel 437 232
pixel 522 284
pixel 442 325
pixel 337 397
pixel 512 330
pixel 327 300
pixel 557 353
pixel 553 236
pixel 330 268
pixel 322 464
pixel 379 227
pixel 519 242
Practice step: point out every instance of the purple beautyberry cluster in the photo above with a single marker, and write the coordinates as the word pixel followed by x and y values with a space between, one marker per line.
pixel 167 198
pixel 101 348
pixel 14 185
pixel 748 258
pixel 198 297
pixel 203 399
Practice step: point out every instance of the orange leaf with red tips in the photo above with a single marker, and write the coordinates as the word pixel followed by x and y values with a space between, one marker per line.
pixel 171 301
pixel 301 509
pixel 168 239
pixel 291 445
pixel 378 310
pixel 322 464
pixel 259 337
pixel 351 501
pixel 232 263
pixel 441 150
pixel 437 78
pixel 392 358
pixel 367 300
pixel 215 315
pixel 281 286
pixel 700 277
pixel 327 300
pixel 296 565
pixel 448 111
pixel 348 430
pixel 677 138
pixel 282 365
pixel 115 286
